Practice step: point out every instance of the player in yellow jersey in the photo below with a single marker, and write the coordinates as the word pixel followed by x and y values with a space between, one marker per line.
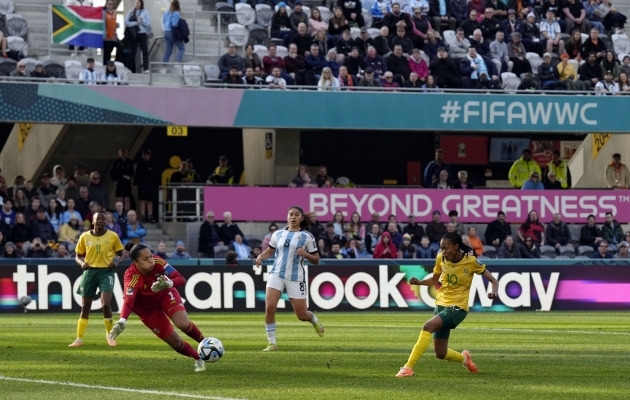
pixel 454 269
pixel 98 253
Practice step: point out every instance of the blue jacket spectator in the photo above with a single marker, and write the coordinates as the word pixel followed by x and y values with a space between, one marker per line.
pixel 603 248
pixel 533 183
pixel 379 6
pixel 316 62
pixel 135 230
pixel 180 252
pixel 42 228
pixel 426 253
pixel 433 169
pixel 378 64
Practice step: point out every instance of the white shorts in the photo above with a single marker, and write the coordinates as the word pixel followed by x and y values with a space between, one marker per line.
pixel 295 290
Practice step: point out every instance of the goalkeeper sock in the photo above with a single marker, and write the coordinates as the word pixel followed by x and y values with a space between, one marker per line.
pixel 81 326
pixel 452 355
pixel 271 333
pixel 194 332
pixel 313 320
pixel 419 348
pixel 188 351
pixel 109 324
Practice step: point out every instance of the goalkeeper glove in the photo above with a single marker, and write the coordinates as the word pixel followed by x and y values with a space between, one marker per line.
pixel 162 283
pixel 118 328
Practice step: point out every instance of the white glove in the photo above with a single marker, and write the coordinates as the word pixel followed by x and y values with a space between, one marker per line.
pixel 163 282
pixel 118 328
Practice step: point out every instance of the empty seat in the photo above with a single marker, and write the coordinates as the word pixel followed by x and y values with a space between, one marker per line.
pixel 264 15
pixel 220 254
pixel 307 10
pixel 282 51
pixel 193 75
pixel 534 60
pixel 449 36
pixel 585 251
pixel 16 25
pixel 212 73
pixel 228 15
pixel 511 81
pixel 325 13
pixel 262 7
pixel 374 32
pixel 258 35
pixel 563 258
pixel 18 44
pixel 73 71
pixel 490 251
pixel 238 34
pixel 548 251
pixel 220 248
pixel 7 65
pixel 621 44
pixel 6 7
pixel 54 69
pixel 567 251
pixel 582 258
pixel 367 17
pixel 254 243
pixel 262 51
pixel 355 32
pixel 245 14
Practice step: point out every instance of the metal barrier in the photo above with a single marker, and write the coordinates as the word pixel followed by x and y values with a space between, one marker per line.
pixel 217 21
pixel 181 202
pixel 167 74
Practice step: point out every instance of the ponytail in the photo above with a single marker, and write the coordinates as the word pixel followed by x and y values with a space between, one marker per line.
pixel 135 249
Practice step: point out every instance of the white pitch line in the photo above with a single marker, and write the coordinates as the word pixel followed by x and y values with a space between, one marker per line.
pixel 485 329
pixel 119 389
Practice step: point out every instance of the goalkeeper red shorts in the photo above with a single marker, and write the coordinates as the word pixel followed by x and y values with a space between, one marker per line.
pixel 157 318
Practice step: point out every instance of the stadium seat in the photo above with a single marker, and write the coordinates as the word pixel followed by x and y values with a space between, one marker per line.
pixel 511 81
pixel 238 34
pixel 6 7
pixel 250 237
pixel 549 251
pixel 262 6
pixel 621 43
pixel 212 73
pixel 585 251
pixel 7 65
pixel 355 32
pixel 367 17
pixel 258 35
pixel 30 64
pixel 425 57
pixel 325 13
pixel 254 243
pixel 16 25
pixel 307 10
pixel 543 257
pixel 54 69
pixel 220 248
pixel 245 14
pixel 374 32
pixel 490 251
pixel 534 60
pixel 73 69
pixel 282 51
pixel 563 258
pixel 567 251
pixel 607 42
pixel 229 16
pixel 449 36
pixel 220 253
pixel 262 51
pixel 264 15
pixel 582 258
pixel 16 43
pixel 193 75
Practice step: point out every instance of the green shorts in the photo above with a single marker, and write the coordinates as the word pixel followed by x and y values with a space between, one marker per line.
pixel 451 317
pixel 96 278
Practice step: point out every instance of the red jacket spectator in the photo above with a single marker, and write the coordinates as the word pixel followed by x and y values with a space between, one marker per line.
pixel 419 67
pixel 385 248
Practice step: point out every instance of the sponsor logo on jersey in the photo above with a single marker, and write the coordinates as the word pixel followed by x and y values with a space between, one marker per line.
pixel 129 291
pixel 156 331
pixel 465 270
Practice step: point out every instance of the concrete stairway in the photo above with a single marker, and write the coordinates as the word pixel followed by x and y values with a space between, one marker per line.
pixel 155 235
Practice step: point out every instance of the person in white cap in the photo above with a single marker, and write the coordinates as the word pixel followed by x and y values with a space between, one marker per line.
pixel 622 251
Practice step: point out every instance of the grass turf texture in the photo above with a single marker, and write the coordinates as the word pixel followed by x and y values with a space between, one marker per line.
pixel 520 355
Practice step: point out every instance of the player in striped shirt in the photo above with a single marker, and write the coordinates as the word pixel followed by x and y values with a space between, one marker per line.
pixel 290 246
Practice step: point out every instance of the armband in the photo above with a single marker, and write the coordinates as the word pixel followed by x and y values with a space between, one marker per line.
pixel 168 270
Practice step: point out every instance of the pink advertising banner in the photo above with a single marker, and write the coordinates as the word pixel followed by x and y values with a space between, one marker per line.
pixel 473 206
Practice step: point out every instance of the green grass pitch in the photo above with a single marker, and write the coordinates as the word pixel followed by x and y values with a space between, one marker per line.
pixel 520 356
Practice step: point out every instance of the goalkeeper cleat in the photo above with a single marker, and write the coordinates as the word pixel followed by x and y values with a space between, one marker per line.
pixel 76 343
pixel 271 347
pixel 319 328
pixel 111 342
pixel 200 366
pixel 405 372
pixel 468 362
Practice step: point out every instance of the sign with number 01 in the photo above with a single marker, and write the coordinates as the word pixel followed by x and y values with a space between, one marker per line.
pixel 176 131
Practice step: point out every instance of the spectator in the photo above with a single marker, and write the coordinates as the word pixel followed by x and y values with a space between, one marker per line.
pixel 414 230
pixel 351 249
pixel 295 64
pixel 445 71
pixel 180 252
pixel 280 23
pixel 575 16
pixel 433 169
pixel 555 7
pixel 97 191
pixel 31 212
pixel 7 215
pixel 573 46
pixel 368 79
pixel 317 229
pixel 522 169
pixel 59 178
pixel 185 173
pixel 352 11
pixel 612 232
pixel 10 251
pixel 61 199
pixel 329 236
pixel 398 64
pixel 602 251
pixel 442 183
pixel 301 39
pixel 120 216
pixel 590 234
pixel 147 180
pixel 338 23
pixel 316 23
pixel 20 233
pixel 357 229
pixel 373 237
pixel 392 220
pixel 466 241
pixel 407 250
pixel 476 41
pixel 62 252
pixel 265 242
pixel 272 61
pixel 499 53
pixel 568 76
pixel 135 230
pixel 389 82
pixel 475 241
pixel 508 249
pixel 110 76
pixel 29 189
pixel 385 247
pixel 121 172
pixel 53 214
pixel 170 23
pixel 441 13
pixel 20 201
pixel 38 249
pixel 532 228
pixel 363 42
pixel 418 65
pixel 324 43
pixel 72 191
pixel 250 80
pixel 229 60
pixel 510 25
pixel 395 236
pixel 490 25
pixel 47 190
pixel 89 76
pixel 331 59
pixel 222 174
pixel 533 183
pixel 381 43
pixel 210 236
pixel 140 18
pixel 228 230
pixel 453 216
pixel 231 258
pixel 338 223
pixel 594 45
pixel 354 63
pixel 550 33
pixel 255 252
pixel 432 43
pixel 303 178
pixel 459 45
pixel 617 174
pixel 613 20
pixel 298 16
pixel 591 72
pixel 86 226
pixel 497 230
pixel 558 233
pixel 80 176
pixel 518 56
pixel 413 82
pixel 376 62
pixel 473 66
pixel 315 62
pixel 530 33
pixel 435 230
pixel 397 18
pixel 401 39
pixel 560 171
pixel 42 228
pixel 161 250
pixel 252 60
pixel 39 72
pixel 607 86
pixel 94 208
pixel 622 251
pixel 610 63
pixel 111 224
pixel 322 175
pixel 462 181
pixel 233 77
pixel 70 232
pixel 335 251
pixel 529 249
pixel 345 43
pixel 551 183
pixel 424 249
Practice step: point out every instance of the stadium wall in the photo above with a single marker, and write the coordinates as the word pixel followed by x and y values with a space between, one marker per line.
pixel 524 285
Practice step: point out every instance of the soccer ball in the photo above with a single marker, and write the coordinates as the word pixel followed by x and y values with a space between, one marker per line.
pixel 210 349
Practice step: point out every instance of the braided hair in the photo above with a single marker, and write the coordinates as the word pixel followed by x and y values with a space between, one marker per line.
pixel 456 239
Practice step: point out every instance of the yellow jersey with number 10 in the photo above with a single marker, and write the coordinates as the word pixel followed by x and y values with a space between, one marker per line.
pixel 99 250
pixel 456 279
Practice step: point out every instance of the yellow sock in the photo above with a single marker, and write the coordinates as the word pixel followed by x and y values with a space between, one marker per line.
pixel 452 355
pixel 81 326
pixel 109 324
pixel 419 348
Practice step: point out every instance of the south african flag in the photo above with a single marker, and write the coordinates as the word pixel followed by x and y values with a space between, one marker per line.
pixel 79 26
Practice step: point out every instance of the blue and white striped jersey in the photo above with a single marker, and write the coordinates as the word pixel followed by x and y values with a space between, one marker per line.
pixel 287 265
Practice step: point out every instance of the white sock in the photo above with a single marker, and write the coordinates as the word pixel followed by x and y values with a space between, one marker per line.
pixel 271 333
pixel 314 319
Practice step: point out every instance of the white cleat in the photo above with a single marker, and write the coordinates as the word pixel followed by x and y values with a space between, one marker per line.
pixel 111 342
pixel 200 366
pixel 319 328
pixel 76 343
